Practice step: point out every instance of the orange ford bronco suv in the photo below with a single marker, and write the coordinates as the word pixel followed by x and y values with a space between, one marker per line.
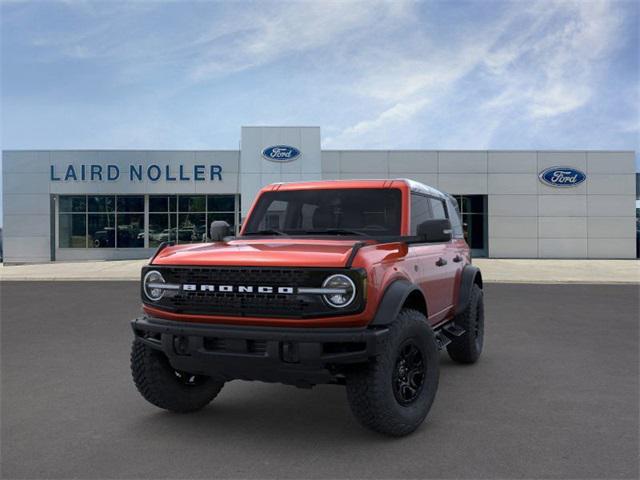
pixel 357 283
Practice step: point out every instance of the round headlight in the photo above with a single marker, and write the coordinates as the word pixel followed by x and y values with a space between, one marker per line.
pixel 344 290
pixel 150 285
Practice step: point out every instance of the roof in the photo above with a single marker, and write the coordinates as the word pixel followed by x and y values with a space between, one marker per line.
pixel 413 185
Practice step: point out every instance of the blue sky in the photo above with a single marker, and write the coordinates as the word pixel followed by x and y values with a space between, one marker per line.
pixel 446 75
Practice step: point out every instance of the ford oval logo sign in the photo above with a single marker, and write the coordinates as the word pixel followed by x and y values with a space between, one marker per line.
pixel 562 177
pixel 281 153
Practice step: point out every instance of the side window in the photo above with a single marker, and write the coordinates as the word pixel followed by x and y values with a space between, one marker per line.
pixel 420 211
pixel 437 207
pixel 454 217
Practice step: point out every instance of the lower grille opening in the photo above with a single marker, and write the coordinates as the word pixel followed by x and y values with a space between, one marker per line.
pixel 254 347
pixel 344 347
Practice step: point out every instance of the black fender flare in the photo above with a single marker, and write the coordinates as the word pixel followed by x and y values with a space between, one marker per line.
pixel 470 275
pixel 392 301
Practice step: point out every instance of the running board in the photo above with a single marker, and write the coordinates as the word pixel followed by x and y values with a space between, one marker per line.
pixel 453 329
pixel 446 334
pixel 442 340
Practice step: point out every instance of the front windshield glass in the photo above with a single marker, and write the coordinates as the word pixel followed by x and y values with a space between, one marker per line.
pixel 360 212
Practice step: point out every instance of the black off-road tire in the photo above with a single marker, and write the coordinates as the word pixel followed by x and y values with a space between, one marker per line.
pixel 161 385
pixel 372 388
pixel 468 347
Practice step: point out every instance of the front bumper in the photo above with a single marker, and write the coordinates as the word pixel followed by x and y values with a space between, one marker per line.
pixel 297 356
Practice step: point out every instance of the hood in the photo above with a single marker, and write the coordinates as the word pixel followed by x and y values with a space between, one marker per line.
pixel 262 252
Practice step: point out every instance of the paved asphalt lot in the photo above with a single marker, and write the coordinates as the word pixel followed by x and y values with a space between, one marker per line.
pixel 554 396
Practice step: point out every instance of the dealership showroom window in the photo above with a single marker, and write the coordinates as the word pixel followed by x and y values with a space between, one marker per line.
pixel 118 221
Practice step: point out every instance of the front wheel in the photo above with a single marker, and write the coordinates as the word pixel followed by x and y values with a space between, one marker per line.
pixel 165 387
pixel 394 393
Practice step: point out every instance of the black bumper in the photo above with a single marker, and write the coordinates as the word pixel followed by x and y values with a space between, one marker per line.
pixel 297 356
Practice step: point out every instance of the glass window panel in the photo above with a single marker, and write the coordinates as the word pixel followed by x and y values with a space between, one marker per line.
pixel 191 227
pixel 476 204
pixel 454 217
pixel 102 203
pixel 173 203
pixel 463 203
pixel 72 203
pixel 72 230
pixel 221 203
pixel 130 230
pixel 370 210
pixel 158 203
pixel 420 211
pixel 101 229
pixel 159 229
pixel 437 208
pixel 192 203
pixel 474 230
pixel 131 203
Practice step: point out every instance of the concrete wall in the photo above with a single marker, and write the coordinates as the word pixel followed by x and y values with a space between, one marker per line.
pixel 258 172
pixel 29 192
pixel 527 218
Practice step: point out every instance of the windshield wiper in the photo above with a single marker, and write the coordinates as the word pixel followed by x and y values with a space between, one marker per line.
pixel 336 231
pixel 269 231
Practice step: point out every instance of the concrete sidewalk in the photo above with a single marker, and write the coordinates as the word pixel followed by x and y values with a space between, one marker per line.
pixel 493 271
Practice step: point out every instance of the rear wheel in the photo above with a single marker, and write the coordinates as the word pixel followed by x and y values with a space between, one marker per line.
pixel 165 387
pixel 394 393
pixel 468 347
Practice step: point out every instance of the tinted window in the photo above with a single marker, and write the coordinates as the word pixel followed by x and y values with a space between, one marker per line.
pixel 454 217
pixel 420 211
pixel 102 203
pixel 195 203
pixel 437 208
pixel 302 212
pixel 158 203
pixel 72 230
pixel 221 203
pixel 131 204
pixel 72 203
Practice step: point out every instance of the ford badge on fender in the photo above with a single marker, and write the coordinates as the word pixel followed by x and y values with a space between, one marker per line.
pixel 562 177
pixel 281 153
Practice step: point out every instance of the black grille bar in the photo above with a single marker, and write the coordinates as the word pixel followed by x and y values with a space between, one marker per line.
pixel 242 304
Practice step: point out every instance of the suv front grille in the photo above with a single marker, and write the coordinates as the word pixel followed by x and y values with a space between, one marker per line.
pixel 250 304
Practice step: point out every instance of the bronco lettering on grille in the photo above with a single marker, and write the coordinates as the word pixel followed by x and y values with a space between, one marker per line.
pixel 192 287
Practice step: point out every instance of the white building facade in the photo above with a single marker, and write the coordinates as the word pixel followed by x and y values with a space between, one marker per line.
pixel 119 204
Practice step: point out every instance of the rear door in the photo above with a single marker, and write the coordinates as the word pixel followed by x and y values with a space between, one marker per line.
pixel 450 254
pixel 432 262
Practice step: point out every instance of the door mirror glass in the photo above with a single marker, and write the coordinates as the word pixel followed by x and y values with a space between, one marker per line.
pixel 219 229
pixel 436 230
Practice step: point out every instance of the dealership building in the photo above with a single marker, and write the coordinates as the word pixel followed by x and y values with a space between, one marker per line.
pixel 63 205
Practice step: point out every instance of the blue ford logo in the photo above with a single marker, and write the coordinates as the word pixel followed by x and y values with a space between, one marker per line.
pixel 281 153
pixel 562 177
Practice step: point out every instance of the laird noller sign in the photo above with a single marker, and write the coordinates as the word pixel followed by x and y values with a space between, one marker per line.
pixel 135 173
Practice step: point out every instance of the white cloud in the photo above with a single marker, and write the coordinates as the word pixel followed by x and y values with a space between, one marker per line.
pixel 539 60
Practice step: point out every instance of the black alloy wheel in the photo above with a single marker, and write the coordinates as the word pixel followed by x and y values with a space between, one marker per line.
pixel 408 374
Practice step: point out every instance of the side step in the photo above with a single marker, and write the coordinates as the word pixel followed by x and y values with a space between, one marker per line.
pixel 442 340
pixel 452 329
pixel 447 333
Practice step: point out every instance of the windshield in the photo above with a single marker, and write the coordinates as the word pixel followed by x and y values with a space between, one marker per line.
pixel 359 212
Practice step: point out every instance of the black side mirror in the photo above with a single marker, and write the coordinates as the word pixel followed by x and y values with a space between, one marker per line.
pixel 437 230
pixel 219 229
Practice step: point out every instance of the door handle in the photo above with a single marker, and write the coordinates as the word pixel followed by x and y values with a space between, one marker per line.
pixel 457 258
pixel 441 262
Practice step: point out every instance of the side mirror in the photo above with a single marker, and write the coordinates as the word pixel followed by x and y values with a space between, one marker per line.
pixel 437 230
pixel 219 229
